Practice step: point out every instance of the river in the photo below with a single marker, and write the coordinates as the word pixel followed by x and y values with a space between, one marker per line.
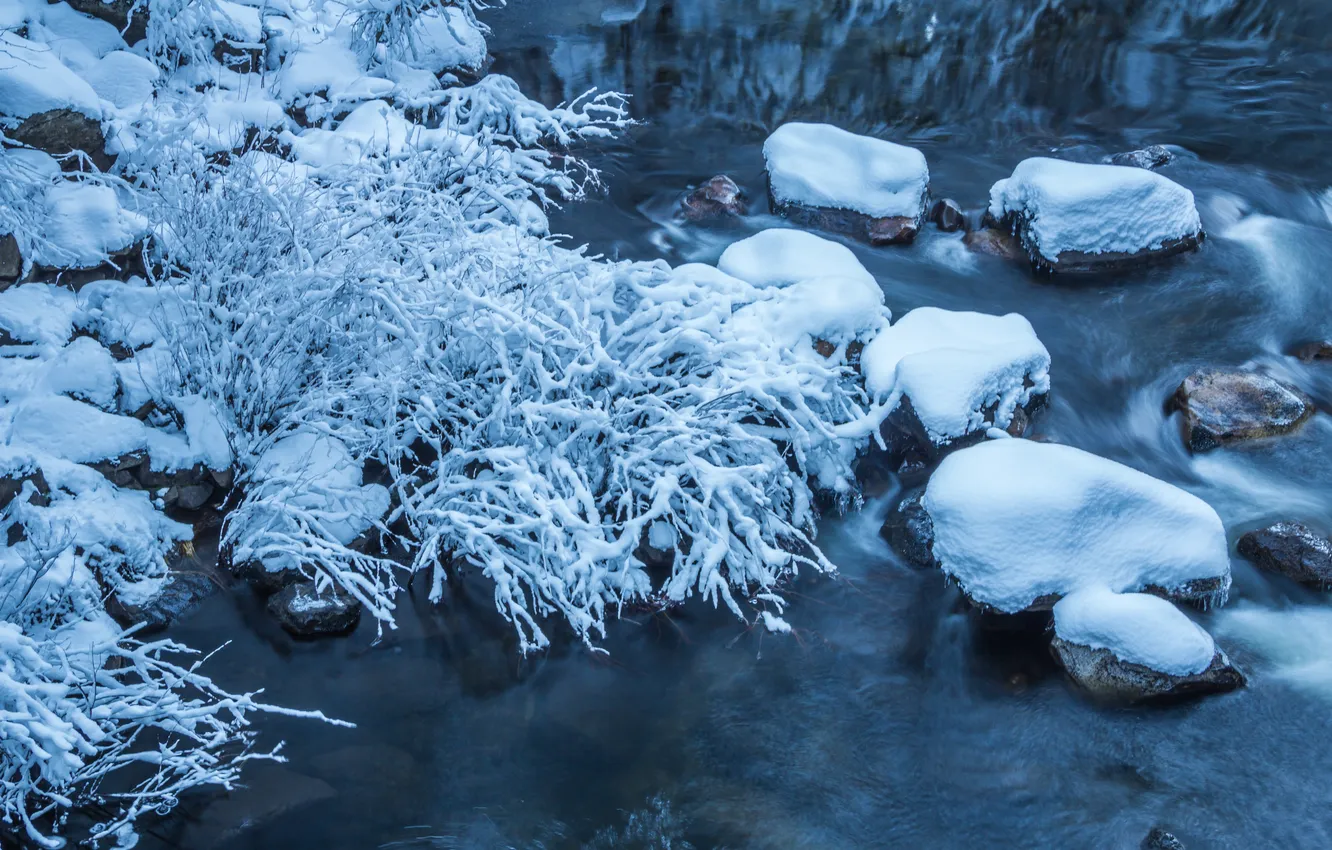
pixel 886 719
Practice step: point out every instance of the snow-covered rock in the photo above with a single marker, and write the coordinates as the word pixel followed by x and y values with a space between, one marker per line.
pixel 1078 217
pixel 1019 524
pixel 33 80
pixel 958 373
pixel 1218 407
pixel 444 41
pixel 38 313
pixel 1134 647
pixel 781 257
pixel 831 311
pixel 825 177
pixel 1291 549
pixel 86 226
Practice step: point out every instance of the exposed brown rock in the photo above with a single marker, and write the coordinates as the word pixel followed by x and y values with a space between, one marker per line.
pixel 62 131
pixel 717 199
pixel 1225 407
pixel 994 242
pixel 948 216
pixel 1311 351
pixel 1293 550
pixel 1105 676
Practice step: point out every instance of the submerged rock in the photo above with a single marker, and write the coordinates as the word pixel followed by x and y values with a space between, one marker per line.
pixel 1225 407
pixel 1152 156
pixel 1293 550
pixel 1159 839
pixel 995 242
pixel 948 216
pixel 305 612
pixel 910 532
pixel 719 199
pixel 188 584
pixel 824 177
pixel 1311 351
pixel 1020 524
pixel 1132 647
pixel 1074 217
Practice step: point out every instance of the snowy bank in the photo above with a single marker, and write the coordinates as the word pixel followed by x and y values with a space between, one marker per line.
pixel 825 177
pixel 780 257
pixel 1019 524
pixel 1077 217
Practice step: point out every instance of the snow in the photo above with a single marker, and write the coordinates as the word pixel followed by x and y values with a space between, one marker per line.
pixel 1016 520
pixel 445 40
pixel 38 312
pixel 85 224
pixel 835 309
pixel 954 366
pixel 125 79
pixel 83 370
pixel 331 67
pixel 1094 209
pixel 33 80
pixel 819 165
pixel 1137 628
pixel 780 257
pixel 78 40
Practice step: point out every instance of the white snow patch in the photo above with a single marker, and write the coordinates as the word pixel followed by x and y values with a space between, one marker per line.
pixel 954 366
pixel 1137 628
pixel 780 257
pixel 125 79
pixel 1015 520
pixel 33 80
pixel 1095 209
pixel 836 309
pixel 85 223
pixel 38 313
pixel 819 165
pixel 445 40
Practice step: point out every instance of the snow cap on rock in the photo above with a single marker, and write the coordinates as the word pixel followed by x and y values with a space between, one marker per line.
pixel 819 165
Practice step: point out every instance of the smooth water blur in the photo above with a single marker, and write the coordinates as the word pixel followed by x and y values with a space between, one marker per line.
pixel 886 720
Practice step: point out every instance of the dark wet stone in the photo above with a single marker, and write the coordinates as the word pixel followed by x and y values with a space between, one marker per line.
pixel 190 497
pixel 188 584
pixel 11 261
pixel 1101 674
pixel 133 25
pixel 1152 156
pixel 1080 262
pixel 1020 422
pixel 909 530
pixel 1311 351
pixel 266 581
pixel 890 230
pixel 62 131
pixel 1226 407
pixel 122 471
pixel 1293 550
pixel 994 242
pixel 1159 839
pixel 305 612
pixel 717 199
pixel 948 216
pixel 12 485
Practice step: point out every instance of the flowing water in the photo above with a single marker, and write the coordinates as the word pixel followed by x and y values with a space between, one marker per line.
pixel 885 720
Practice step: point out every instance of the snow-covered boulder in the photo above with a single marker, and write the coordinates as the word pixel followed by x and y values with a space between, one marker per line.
pixel 825 177
pixel 1219 407
pixel 1134 647
pixel 86 226
pixel 1019 524
pixel 44 104
pixel 1293 550
pixel 781 257
pixel 1080 217
pixel 445 41
pixel 958 374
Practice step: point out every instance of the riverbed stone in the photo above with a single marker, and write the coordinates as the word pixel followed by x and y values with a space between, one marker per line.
pixel 947 215
pixel 1293 550
pixel 1159 839
pixel 995 242
pixel 1220 407
pixel 189 582
pixel 304 611
pixel 909 530
pixel 1150 157
pixel 1311 351
pixel 1098 672
pixel 11 261
pixel 718 199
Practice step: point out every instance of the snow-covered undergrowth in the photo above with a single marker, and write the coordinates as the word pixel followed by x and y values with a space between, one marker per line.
pixel 345 260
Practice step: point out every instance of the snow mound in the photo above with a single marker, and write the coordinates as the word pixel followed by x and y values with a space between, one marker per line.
pixel 961 371
pixel 819 165
pixel 1093 209
pixel 33 80
pixel 125 79
pixel 1015 521
pixel 38 313
pixel 445 40
pixel 1135 627
pixel 781 257
pixel 834 309
pixel 85 225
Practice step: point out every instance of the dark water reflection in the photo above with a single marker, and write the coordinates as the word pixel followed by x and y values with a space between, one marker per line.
pixel 886 721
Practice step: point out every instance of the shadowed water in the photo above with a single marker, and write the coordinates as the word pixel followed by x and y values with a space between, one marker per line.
pixel 886 720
